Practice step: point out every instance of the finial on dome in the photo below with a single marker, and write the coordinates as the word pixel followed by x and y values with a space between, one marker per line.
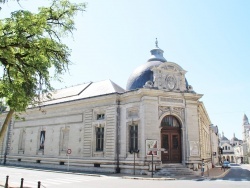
pixel 157 53
pixel 156 43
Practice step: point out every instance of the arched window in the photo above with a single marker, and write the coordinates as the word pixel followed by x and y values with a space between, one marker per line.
pixel 170 121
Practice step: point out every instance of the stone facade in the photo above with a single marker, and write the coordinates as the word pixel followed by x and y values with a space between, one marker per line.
pixel 246 140
pixel 214 133
pixel 109 129
pixel 229 147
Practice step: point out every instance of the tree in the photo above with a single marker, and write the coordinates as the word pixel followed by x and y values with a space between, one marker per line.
pixel 30 46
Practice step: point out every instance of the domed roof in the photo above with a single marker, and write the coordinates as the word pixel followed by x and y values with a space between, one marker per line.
pixel 143 73
pixel 224 138
pixel 234 138
pixel 143 76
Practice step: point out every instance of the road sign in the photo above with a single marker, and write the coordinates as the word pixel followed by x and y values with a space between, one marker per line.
pixel 69 151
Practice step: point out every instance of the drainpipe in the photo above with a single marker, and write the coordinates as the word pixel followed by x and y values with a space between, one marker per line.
pixel 118 136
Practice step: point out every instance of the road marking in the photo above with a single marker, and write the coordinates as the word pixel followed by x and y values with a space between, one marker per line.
pixel 29 183
pixel 58 181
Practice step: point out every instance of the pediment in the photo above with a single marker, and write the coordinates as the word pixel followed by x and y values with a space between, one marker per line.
pixel 169 67
pixel 169 76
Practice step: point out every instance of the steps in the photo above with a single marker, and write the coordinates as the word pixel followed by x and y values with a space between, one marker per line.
pixel 176 170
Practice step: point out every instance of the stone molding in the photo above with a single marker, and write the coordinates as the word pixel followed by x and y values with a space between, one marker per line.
pixel 172 110
pixel 169 77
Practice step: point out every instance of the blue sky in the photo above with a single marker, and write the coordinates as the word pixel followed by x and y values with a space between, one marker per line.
pixel 209 39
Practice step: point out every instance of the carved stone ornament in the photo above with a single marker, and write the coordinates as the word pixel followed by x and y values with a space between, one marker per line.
pixel 132 113
pixel 169 77
pixel 172 110
pixel 171 82
pixel 148 84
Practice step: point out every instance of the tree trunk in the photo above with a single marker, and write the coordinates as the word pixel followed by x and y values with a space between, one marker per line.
pixel 5 125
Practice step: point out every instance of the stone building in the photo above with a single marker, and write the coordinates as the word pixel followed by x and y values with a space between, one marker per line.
pixel 108 128
pixel 229 147
pixel 246 140
pixel 215 155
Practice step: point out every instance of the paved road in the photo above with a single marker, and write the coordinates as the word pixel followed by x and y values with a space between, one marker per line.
pixel 51 179
pixel 48 179
pixel 237 173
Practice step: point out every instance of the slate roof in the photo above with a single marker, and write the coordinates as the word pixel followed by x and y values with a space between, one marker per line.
pixel 83 91
pixel 224 138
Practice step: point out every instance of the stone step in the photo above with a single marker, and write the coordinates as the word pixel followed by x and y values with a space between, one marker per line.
pixel 172 170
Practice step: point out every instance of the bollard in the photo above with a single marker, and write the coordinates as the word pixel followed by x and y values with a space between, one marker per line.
pixel 39 184
pixel 6 183
pixel 21 186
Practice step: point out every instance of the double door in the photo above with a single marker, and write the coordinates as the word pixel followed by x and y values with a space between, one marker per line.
pixel 171 141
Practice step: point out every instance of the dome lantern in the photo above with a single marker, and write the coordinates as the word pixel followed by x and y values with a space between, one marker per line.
pixel 157 53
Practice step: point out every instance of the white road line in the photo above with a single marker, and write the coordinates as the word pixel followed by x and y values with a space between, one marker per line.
pixel 30 184
pixel 244 180
pixel 56 181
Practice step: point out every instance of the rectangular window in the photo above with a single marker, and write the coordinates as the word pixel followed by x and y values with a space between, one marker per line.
pixel 133 137
pixel 100 116
pixel 42 140
pixel 99 138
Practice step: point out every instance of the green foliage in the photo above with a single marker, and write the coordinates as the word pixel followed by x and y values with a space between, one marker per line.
pixel 30 47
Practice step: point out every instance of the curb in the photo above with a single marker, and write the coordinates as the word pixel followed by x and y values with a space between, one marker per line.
pixel 221 175
pixel 146 178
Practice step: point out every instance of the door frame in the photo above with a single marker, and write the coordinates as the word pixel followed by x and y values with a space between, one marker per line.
pixel 171 131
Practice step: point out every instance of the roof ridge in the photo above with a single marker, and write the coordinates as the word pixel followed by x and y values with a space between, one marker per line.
pixel 115 86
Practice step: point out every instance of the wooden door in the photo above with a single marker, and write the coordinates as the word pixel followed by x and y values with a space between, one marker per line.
pixel 171 141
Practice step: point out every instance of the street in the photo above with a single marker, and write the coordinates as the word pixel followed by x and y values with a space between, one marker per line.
pixel 238 176
pixel 238 173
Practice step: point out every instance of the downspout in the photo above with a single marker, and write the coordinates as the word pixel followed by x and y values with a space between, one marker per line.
pixel 118 114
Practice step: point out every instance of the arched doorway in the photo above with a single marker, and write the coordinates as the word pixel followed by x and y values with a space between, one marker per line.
pixel 171 139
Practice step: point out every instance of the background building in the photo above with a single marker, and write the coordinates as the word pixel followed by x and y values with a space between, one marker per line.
pixel 246 139
pixel 215 155
pixel 229 147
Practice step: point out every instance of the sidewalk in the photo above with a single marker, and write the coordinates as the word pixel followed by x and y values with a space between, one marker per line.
pixel 216 172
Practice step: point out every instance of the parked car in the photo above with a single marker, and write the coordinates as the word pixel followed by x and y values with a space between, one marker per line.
pixel 226 164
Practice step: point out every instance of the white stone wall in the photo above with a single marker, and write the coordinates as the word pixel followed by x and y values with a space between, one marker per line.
pixel 144 107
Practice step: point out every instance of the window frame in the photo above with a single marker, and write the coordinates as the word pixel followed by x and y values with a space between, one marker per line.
pixel 100 116
pixel 133 137
pixel 100 139
pixel 42 148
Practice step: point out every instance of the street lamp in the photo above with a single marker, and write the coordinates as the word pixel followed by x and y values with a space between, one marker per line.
pixel 134 152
